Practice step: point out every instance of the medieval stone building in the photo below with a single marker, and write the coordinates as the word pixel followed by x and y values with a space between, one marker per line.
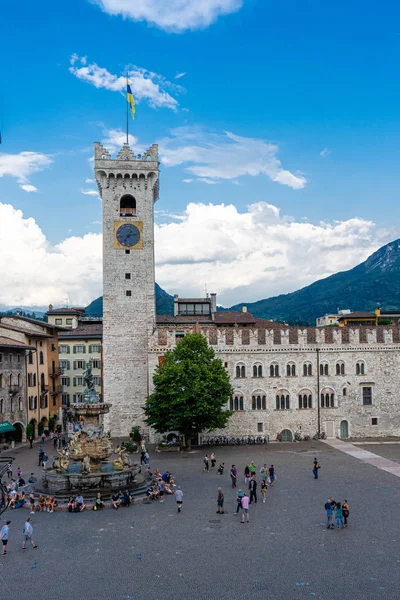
pixel 285 379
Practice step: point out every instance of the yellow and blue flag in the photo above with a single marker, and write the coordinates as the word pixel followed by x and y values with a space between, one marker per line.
pixel 130 99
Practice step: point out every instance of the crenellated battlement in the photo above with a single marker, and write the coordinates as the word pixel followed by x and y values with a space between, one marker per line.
pixel 282 338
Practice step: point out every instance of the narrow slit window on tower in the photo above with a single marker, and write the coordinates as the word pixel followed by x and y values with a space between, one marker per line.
pixel 127 251
pixel 128 293
pixel 127 275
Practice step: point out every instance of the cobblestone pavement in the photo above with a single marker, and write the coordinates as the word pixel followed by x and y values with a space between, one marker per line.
pixel 150 551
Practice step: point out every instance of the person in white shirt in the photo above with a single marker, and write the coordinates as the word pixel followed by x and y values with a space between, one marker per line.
pixel 28 534
pixel 179 498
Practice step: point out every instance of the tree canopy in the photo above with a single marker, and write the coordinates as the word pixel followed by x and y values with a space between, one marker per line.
pixel 191 390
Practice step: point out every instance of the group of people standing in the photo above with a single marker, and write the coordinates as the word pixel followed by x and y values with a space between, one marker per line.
pixel 338 510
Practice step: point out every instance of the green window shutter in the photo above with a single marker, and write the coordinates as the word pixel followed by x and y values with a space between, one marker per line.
pixel 74 350
pixel 84 349
pixel 74 381
pixel 90 349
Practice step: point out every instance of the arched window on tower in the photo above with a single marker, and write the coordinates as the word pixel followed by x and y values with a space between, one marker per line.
pixel 127 206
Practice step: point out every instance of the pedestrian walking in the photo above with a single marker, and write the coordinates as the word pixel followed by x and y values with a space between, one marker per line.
pixel 239 501
pixel 4 537
pixel 339 516
pixel 206 462
pixel 55 442
pixel 41 454
pixel 272 476
pixel 18 472
pixel 252 468
pixel 142 455
pixel 28 534
pixel 221 468
pixel 329 514
pixel 147 458
pixel 220 502
pixel 245 508
pixel 179 498
pixel 264 487
pixel 264 472
pixel 253 489
pixel 246 474
pixel 233 475
pixel 43 437
pixel 30 443
pixel 9 470
pixel 45 458
pixel 213 460
pixel 345 511
pixel 316 468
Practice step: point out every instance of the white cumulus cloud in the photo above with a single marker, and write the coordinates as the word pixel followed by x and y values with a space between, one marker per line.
pixel 172 15
pixel 71 268
pixel 145 85
pixel 22 165
pixel 28 188
pixel 90 192
pixel 213 157
pixel 242 255
pixel 255 254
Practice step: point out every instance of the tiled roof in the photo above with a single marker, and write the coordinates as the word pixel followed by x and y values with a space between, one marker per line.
pixel 27 332
pixel 9 343
pixel 183 319
pixel 358 315
pixel 86 330
pixel 34 321
pixel 228 316
pixel 66 311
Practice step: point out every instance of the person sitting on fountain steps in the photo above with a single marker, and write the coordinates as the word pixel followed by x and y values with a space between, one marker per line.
pixel 126 499
pixel 80 503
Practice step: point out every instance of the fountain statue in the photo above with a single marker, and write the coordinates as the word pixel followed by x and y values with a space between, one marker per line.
pixel 85 467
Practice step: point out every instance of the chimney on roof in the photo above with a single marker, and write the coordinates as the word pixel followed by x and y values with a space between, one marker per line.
pixel 213 303
pixel 50 307
pixel 244 309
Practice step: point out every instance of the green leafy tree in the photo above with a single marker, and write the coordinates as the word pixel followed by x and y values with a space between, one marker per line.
pixel 191 390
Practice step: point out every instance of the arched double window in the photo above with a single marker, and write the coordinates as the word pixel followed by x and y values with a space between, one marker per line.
pixel 307 369
pixel 305 399
pixel 340 368
pixel 236 402
pixel 127 206
pixel 282 400
pixel 291 370
pixel 327 399
pixel 274 370
pixel 240 371
pixel 324 369
pixel 360 368
pixel 257 370
pixel 259 401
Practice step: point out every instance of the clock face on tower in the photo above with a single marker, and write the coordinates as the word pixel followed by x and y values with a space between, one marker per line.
pixel 128 235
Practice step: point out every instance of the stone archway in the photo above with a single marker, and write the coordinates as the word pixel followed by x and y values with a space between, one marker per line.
pixel 286 435
pixel 19 435
pixel 344 430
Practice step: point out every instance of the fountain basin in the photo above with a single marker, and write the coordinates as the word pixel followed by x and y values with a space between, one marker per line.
pixel 73 481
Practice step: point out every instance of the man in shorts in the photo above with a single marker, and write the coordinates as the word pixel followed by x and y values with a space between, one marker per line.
pixel 220 502
pixel 179 498
pixel 245 508
pixel 4 537
pixel 28 534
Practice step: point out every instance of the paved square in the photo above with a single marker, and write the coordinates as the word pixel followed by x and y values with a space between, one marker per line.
pixel 150 551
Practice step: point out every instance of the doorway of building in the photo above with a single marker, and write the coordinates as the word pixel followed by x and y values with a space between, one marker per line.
pixel 18 434
pixel 344 430
pixel 286 435
pixel 330 429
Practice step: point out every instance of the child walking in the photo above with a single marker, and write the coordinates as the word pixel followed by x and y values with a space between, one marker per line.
pixel 264 488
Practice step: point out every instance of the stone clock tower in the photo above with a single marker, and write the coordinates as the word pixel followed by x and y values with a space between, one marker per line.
pixel 128 188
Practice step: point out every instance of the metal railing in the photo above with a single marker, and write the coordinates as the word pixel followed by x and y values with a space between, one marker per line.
pixel 4 461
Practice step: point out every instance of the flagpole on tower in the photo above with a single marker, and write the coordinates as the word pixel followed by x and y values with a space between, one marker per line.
pixel 127 116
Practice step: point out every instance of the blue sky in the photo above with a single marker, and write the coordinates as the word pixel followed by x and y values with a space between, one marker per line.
pixel 288 80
